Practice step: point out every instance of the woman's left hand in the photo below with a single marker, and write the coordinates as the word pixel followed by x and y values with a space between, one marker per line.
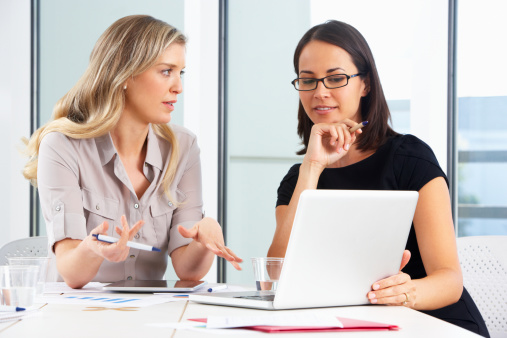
pixel 208 233
pixel 395 290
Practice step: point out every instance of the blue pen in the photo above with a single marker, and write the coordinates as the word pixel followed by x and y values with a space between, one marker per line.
pixel 9 308
pixel 218 287
pixel 109 239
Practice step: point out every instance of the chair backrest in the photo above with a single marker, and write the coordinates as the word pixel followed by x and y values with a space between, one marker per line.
pixel 483 261
pixel 25 247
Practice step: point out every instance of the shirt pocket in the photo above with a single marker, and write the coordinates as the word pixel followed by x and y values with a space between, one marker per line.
pixel 98 208
pixel 162 210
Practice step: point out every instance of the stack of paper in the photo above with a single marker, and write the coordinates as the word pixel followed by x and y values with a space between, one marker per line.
pixel 10 316
pixel 294 323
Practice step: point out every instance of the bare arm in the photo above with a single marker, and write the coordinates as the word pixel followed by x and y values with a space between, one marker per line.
pixel 78 261
pixel 437 244
pixel 193 261
pixel 328 143
pixel 309 174
pixel 70 253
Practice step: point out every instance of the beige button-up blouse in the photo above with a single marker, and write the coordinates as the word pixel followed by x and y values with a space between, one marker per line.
pixel 82 183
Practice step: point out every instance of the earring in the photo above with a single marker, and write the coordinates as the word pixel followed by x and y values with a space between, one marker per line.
pixel 125 87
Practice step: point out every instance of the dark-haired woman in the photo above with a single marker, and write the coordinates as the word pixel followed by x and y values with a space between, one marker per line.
pixel 338 88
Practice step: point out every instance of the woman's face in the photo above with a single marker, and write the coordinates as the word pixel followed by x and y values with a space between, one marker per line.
pixel 151 95
pixel 319 59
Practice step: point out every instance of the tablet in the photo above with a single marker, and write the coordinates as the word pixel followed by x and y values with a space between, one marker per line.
pixel 155 285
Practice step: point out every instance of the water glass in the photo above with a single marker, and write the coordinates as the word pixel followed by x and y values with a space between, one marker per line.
pixel 267 272
pixel 41 262
pixel 18 284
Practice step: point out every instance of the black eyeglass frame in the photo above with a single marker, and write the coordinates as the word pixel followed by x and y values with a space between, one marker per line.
pixel 322 80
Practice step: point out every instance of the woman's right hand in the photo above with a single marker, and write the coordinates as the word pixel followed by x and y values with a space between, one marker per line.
pixel 330 141
pixel 113 252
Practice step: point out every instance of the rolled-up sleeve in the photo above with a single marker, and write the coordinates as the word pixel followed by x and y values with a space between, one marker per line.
pixel 59 191
pixel 188 194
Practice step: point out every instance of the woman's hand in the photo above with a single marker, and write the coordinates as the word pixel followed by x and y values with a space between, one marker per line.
pixel 114 252
pixel 330 141
pixel 209 234
pixel 395 290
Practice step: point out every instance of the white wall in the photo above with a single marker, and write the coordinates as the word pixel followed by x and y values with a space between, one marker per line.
pixel 14 117
pixel 201 96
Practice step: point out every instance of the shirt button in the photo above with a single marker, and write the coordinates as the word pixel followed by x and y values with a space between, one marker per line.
pixel 137 236
pixel 136 206
pixel 97 207
pixel 58 208
pixel 170 204
pixel 145 164
pixel 132 256
pixel 129 277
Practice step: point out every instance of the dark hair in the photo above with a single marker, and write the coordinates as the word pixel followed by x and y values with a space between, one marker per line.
pixel 374 107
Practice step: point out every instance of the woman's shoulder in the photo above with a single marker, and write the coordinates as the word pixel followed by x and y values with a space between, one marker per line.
pixel 58 147
pixel 294 170
pixel 58 140
pixel 292 173
pixel 182 133
pixel 186 138
pixel 414 163
pixel 54 137
pixel 407 145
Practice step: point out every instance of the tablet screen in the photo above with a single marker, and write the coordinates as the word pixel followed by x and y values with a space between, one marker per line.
pixel 155 285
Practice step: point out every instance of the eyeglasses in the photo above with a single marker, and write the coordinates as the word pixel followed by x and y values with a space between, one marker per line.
pixel 330 82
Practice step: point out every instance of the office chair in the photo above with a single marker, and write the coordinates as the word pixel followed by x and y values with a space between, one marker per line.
pixel 483 262
pixel 25 247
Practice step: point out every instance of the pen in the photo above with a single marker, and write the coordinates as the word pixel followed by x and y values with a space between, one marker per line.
pixel 8 308
pixel 109 239
pixel 218 287
pixel 358 126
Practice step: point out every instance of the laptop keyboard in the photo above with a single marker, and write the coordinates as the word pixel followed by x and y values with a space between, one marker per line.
pixel 269 298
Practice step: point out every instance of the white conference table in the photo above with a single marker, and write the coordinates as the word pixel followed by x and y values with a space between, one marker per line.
pixel 72 320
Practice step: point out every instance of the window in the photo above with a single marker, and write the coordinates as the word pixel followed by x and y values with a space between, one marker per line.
pixel 482 118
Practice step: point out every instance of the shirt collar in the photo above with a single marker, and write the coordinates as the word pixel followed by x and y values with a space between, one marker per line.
pixel 106 149
pixel 153 152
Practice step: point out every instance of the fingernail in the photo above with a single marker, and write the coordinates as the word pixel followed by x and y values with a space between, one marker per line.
pixel 371 295
pixel 376 286
pixel 339 150
pixel 373 301
pixel 347 146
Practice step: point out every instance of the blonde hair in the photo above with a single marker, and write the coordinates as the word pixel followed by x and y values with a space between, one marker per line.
pixel 94 105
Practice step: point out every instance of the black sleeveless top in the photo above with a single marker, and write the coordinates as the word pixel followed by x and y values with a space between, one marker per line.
pixel 404 162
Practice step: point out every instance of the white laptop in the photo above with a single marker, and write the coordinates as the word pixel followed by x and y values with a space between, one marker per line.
pixel 342 241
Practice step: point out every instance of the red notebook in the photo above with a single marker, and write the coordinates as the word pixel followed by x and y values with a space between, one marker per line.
pixel 348 325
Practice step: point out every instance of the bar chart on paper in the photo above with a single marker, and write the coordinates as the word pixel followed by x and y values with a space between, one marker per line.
pixel 111 301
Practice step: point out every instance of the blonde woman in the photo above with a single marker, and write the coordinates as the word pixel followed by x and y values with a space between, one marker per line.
pixel 108 163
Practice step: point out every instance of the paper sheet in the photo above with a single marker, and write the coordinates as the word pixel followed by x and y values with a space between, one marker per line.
pixel 289 319
pixel 201 327
pixel 61 287
pixel 11 316
pixel 110 301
